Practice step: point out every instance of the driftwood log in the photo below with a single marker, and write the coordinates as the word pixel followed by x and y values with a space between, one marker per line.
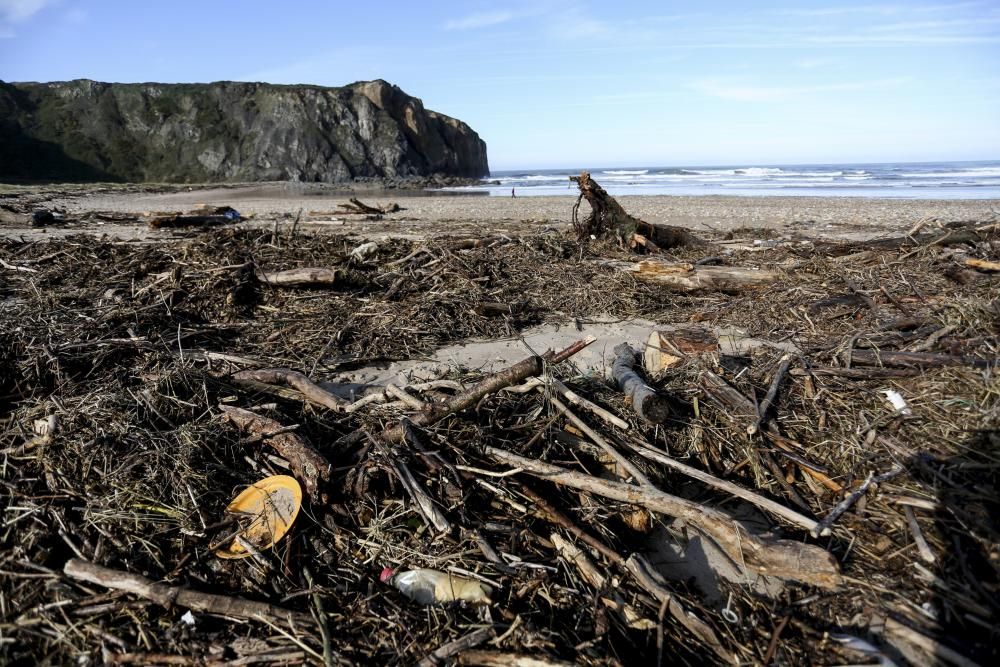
pixel 307 464
pixel 684 277
pixel 608 219
pixel 650 405
pixel 305 277
pixel 783 559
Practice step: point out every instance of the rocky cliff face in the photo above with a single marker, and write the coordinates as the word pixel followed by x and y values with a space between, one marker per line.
pixel 86 130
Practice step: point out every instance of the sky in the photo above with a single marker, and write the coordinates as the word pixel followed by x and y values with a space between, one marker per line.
pixel 569 83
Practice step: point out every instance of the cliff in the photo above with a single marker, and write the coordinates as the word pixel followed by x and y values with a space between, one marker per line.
pixel 226 131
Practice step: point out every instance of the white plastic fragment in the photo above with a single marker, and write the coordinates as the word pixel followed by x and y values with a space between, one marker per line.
pixel 188 618
pixel 364 250
pixel 897 401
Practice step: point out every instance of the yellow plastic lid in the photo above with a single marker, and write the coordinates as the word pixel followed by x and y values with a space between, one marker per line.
pixel 270 506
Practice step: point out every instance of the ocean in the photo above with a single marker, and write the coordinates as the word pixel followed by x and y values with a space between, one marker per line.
pixel 911 180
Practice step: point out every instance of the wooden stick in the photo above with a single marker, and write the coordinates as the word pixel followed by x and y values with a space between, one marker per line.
pixel 168 596
pixel 923 548
pixel 777 558
pixel 434 517
pixel 777 509
pixel 297 381
pixel 823 526
pixel 651 580
pixel 572 397
pixel 307 464
pixel 621 460
pixel 854 373
pixel 772 393
pixel 597 579
pixel 918 359
pixel 463 643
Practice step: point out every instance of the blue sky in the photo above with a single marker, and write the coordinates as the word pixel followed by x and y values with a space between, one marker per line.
pixel 561 83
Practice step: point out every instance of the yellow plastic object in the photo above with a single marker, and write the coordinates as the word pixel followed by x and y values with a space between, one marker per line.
pixel 269 508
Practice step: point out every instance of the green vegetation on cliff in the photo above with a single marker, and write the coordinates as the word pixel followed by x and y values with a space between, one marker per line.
pixel 184 133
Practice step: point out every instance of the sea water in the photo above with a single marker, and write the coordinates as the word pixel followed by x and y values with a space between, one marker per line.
pixel 914 180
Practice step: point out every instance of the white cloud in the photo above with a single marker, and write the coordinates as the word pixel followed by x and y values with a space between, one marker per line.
pixel 15 11
pixel 481 20
pixel 740 92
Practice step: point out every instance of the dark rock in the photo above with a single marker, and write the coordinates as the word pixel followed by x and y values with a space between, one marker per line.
pixel 229 132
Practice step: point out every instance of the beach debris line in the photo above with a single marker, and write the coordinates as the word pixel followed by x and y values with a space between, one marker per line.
pixel 607 219
pixel 784 470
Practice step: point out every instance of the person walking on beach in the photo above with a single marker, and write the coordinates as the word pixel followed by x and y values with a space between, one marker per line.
pixel 512 195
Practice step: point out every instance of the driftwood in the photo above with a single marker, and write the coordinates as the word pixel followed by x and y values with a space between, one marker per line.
pixel 519 372
pixel 738 491
pixel 646 401
pixel 607 218
pixel 667 348
pixel 190 221
pixel 305 277
pixel 168 596
pixel 783 559
pixel 308 465
pixel 358 206
pixel 685 277
pixel 983 265
pixel 955 233
pixel 297 381
pixel 918 359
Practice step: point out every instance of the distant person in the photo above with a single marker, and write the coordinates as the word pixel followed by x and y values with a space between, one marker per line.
pixel 512 195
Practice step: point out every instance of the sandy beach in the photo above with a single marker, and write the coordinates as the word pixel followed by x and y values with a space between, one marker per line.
pixel 450 214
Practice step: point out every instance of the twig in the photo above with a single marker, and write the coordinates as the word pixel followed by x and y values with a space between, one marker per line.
pixel 445 651
pixel 823 527
pixel 772 393
pixel 760 501
pixel 923 548
pixel 297 381
pixel 167 596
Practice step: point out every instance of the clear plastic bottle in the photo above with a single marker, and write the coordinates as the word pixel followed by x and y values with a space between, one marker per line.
pixel 436 587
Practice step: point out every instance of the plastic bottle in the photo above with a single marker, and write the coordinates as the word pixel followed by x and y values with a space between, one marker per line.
pixel 436 587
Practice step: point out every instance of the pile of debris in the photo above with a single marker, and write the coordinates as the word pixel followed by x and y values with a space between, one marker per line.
pixel 796 463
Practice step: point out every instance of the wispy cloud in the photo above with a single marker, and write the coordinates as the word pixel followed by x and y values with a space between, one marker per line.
pixel 882 9
pixel 480 20
pixel 727 89
pixel 815 63
pixel 15 11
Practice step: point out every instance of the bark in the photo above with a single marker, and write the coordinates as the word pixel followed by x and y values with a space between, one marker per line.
pixel 667 348
pixel 307 464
